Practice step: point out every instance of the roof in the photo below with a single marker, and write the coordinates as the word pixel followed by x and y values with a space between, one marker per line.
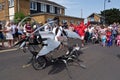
pixel 37 14
pixel 95 14
pixel 49 2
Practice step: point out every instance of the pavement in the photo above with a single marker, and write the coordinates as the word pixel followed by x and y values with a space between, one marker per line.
pixel 6 48
pixel 5 44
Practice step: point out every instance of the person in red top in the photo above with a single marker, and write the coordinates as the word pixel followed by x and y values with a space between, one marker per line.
pixel 108 34
pixel 27 28
pixel 109 37
pixel 81 31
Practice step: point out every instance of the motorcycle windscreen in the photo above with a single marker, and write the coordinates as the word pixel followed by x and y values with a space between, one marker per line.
pixel 72 34
pixel 47 34
pixel 51 45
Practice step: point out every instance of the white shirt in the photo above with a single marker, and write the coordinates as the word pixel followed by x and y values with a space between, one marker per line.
pixel 46 28
pixel 19 29
pixel 90 29
pixel 59 32
pixel 13 28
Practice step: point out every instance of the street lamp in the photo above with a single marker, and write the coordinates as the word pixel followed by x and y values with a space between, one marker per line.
pixel 104 9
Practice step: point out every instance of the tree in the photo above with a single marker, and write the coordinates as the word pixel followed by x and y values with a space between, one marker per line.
pixel 111 15
pixel 18 17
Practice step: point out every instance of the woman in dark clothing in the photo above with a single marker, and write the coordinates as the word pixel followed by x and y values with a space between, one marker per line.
pixel 1 35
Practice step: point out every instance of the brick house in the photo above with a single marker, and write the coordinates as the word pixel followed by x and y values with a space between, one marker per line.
pixel 40 10
pixel 95 18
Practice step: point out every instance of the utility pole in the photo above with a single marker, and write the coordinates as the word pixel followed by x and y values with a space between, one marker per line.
pixel 104 10
pixel 81 13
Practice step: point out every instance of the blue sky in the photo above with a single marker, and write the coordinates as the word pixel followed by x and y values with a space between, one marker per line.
pixel 83 8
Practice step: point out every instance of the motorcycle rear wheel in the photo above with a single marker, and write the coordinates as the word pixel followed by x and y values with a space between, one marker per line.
pixel 39 63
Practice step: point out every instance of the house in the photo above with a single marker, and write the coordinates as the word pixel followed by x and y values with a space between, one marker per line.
pixel 40 10
pixel 95 18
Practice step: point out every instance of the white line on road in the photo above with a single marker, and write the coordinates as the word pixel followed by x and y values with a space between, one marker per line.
pixel 8 50
pixel 84 48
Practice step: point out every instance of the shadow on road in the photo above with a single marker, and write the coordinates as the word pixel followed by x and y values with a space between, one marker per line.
pixel 57 67
pixel 118 55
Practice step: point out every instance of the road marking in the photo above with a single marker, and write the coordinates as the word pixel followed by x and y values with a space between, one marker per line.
pixel 84 48
pixel 8 50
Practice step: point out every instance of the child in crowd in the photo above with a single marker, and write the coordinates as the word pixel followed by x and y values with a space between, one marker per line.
pixel 109 37
pixel 118 40
pixel 103 39
pixel 103 36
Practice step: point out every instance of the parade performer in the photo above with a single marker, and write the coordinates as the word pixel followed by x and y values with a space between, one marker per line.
pixel 81 31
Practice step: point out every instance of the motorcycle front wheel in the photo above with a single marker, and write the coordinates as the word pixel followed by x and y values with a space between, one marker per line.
pixel 39 63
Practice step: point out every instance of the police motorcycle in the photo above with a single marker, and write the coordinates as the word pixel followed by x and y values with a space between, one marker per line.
pixel 43 47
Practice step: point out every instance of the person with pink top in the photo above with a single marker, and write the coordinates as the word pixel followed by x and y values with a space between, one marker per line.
pixel 118 40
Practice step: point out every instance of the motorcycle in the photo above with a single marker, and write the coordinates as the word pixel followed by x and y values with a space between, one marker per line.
pixel 44 47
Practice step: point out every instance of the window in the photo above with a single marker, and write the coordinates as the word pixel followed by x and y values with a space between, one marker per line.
pixel 52 9
pixel 49 19
pixel 64 21
pixel 78 22
pixel 11 3
pixel 71 21
pixel 92 19
pixel 33 6
pixel 1 6
pixel 58 10
pixel 43 8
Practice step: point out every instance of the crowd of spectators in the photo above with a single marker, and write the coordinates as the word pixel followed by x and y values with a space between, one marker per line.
pixel 106 35
pixel 89 33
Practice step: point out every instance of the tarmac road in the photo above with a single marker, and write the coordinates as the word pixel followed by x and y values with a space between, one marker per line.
pixel 102 64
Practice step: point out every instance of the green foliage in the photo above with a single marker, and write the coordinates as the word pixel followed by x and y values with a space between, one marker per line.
pixel 111 15
pixel 18 17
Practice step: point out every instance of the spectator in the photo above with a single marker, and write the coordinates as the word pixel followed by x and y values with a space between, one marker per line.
pixel 65 25
pixel 103 35
pixel 19 32
pixel 1 35
pixel 27 28
pixel 14 31
pixel 47 27
pixel 71 27
pixel 95 37
pixel 109 37
pixel 86 36
pixel 56 19
pixel 9 36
